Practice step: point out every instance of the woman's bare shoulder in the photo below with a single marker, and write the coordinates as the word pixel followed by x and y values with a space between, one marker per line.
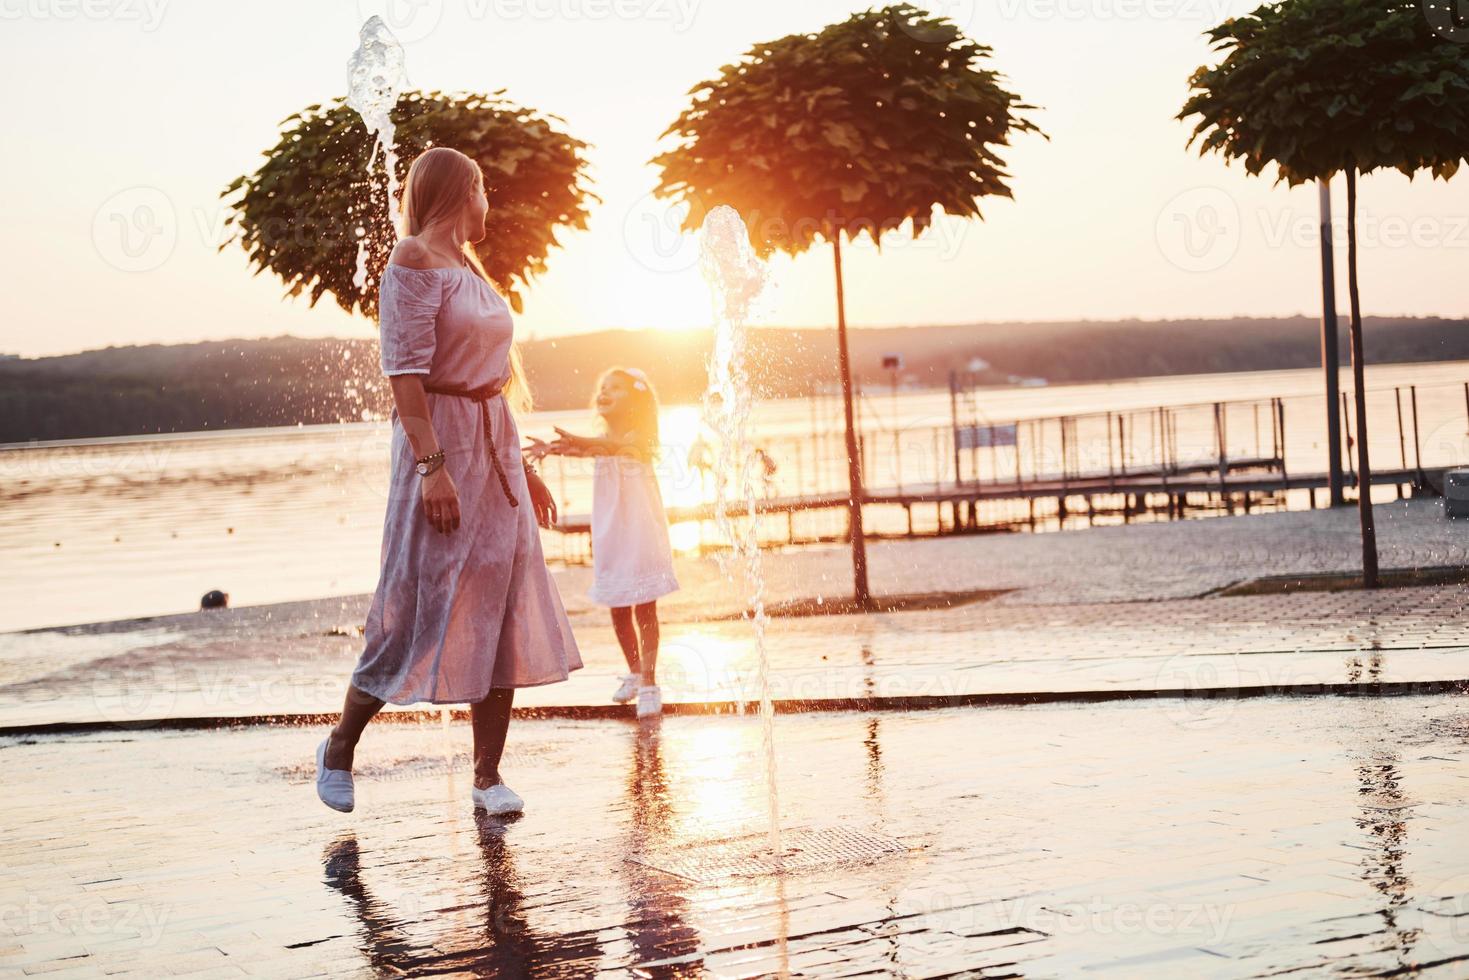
pixel 411 253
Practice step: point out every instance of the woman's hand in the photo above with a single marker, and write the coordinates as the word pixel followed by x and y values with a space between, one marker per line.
pixel 441 501
pixel 540 448
pixel 541 499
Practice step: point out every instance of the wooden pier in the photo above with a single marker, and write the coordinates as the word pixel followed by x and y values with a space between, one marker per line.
pixel 1142 493
pixel 1161 462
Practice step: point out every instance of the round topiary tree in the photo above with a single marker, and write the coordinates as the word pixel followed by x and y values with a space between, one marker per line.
pixel 1319 87
pixel 865 127
pixel 301 214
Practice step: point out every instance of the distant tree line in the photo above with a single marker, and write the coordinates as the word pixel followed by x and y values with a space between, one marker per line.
pixel 288 381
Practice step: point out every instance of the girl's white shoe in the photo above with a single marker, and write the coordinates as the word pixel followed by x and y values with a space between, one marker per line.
pixel 334 786
pixel 650 701
pixel 498 800
pixel 628 690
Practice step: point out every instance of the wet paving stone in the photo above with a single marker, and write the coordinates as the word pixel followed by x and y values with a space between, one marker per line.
pixel 1109 610
pixel 1296 837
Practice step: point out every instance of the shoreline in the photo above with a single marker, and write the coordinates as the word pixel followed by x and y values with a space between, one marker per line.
pixel 553 415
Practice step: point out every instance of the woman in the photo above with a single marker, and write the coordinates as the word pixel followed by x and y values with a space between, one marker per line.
pixel 465 610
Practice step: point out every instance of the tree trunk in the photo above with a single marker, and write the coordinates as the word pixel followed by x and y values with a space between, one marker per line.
pixel 860 590
pixel 1330 357
pixel 1359 387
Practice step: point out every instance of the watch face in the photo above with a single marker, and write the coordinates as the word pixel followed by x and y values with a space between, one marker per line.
pixel 422 469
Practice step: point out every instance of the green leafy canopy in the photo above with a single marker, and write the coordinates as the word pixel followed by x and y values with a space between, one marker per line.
pixel 300 214
pixel 872 122
pixel 1324 86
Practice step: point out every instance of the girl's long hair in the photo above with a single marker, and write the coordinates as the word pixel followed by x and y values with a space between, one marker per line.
pixel 437 185
pixel 642 407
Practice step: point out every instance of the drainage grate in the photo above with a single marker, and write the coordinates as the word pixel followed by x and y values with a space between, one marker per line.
pixel 750 855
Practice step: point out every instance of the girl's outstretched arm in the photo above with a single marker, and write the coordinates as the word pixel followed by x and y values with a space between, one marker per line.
pixel 571 444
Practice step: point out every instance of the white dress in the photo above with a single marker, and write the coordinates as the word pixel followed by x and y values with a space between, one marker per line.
pixel 632 562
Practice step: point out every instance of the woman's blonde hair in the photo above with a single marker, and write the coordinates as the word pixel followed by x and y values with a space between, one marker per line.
pixel 438 182
pixel 642 406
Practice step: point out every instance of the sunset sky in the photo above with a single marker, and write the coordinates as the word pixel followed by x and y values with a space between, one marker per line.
pixel 129 114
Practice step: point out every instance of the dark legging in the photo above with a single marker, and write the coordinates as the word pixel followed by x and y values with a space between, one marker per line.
pixel 489 718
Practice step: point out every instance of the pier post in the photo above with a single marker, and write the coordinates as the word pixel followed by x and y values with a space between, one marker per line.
pixel 1417 445
pixel 1397 397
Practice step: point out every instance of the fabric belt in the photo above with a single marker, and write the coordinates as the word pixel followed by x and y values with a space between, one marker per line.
pixel 483 396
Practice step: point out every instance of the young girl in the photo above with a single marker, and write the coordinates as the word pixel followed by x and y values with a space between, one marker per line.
pixel 631 560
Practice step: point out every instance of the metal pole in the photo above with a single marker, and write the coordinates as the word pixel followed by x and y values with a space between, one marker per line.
pixel 1122 443
pixel 1018 479
pixel 1397 396
pixel 954 416
pixel 1111 466
pixel 1330 350
pixel 1280 402
pixel 1065 462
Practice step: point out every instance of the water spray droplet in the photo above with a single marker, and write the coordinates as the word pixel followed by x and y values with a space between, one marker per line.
pixel 376 75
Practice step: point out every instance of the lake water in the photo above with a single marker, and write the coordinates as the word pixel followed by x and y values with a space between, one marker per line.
pixel 120 528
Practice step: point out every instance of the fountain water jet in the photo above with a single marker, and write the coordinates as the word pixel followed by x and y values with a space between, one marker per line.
pixel 737 278
pixel 376 76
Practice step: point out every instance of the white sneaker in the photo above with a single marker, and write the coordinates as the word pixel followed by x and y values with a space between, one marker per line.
pixel 650 701
pixel 334 786
pixel 628 690
pixel 498 800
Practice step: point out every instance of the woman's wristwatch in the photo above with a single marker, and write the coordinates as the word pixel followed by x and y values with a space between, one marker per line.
pixel 428 464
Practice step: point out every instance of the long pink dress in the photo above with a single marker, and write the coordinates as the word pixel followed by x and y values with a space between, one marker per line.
pixel 457 615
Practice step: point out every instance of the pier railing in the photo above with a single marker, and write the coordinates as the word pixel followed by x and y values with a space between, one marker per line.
pixel 1135 462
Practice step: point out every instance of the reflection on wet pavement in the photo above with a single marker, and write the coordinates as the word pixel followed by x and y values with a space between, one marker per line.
pixel 1272 836
pixel 293 659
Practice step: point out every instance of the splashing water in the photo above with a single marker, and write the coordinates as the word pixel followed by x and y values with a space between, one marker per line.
pixel 737 278
pixel 376 76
